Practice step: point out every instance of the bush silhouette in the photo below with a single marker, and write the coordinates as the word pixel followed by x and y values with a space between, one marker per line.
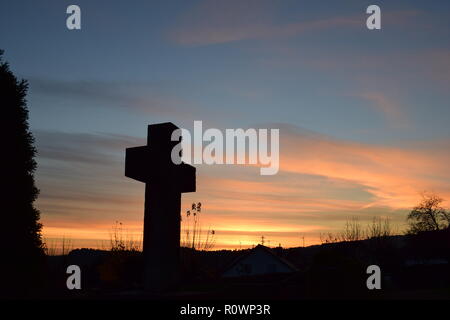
pixel 21 245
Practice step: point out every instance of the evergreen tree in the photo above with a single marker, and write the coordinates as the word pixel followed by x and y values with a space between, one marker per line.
pixel 21 244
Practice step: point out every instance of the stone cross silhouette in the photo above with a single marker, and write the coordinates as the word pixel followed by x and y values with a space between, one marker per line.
pixel 164 183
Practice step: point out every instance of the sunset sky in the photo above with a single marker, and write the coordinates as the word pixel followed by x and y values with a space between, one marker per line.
pixel 363 115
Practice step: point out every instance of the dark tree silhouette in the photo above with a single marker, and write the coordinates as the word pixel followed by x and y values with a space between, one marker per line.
pixel 22 251
pixel 428 215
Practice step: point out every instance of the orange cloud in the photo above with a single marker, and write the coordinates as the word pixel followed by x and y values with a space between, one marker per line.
pixel 394 175
pixel 321 183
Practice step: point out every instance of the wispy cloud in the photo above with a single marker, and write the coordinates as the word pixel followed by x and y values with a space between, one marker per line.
pixel 390 108
pixel 136 97
pixel 99 148
pixel 322 182
pixel 213 22
pixel 394 175
pixel 205 35
pixel 436 64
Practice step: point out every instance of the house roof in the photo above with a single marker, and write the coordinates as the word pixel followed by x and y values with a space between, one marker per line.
pixel 265 249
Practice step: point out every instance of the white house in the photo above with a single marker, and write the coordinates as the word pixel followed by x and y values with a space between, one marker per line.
pixel 260 260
